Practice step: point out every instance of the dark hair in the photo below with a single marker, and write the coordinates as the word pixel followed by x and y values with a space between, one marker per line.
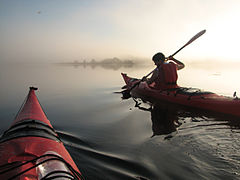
pixel 158 57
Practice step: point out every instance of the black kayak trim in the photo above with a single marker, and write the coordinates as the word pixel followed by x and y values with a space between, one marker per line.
pixel 30 128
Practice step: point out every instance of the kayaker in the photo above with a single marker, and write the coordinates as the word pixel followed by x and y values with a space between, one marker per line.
pixel 165 75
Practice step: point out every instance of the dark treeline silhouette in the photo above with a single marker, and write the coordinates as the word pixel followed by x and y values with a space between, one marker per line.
pixel 109 63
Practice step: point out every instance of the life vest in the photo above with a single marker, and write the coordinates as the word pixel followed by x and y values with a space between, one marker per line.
pixel 167 78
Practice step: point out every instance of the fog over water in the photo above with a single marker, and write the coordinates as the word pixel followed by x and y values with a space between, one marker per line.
pixel 48 31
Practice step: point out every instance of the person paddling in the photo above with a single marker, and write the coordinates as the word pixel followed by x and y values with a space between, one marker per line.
pixel 165 75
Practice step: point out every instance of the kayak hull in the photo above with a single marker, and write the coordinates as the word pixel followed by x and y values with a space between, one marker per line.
pixel 29 137
pixel 196 99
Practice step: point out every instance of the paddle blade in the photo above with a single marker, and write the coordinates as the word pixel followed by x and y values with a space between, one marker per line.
pixel 126 94
pixel 195 37
pixel 190 41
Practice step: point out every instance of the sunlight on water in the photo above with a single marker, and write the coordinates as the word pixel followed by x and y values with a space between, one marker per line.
pixel 216 78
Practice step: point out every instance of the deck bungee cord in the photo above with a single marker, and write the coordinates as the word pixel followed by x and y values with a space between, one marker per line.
pixel 73 175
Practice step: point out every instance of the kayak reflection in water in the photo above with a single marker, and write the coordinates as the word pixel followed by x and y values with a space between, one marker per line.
pixel 165 119
pixel 165 75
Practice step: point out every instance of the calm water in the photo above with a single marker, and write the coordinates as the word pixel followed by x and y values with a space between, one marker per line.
pixel 110 138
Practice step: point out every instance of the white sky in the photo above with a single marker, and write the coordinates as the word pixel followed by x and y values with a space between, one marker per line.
pixel 68 30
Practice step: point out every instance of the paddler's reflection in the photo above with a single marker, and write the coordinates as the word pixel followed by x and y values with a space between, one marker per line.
pixel 165 119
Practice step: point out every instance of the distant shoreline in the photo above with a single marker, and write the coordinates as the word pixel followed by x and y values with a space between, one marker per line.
pixel 105 61
pixel 109 63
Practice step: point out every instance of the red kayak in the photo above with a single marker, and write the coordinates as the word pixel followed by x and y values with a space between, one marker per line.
pixel 31 149
pixel 190 97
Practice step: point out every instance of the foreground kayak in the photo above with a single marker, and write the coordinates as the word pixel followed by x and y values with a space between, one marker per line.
pixel 190 97
pixel 31 149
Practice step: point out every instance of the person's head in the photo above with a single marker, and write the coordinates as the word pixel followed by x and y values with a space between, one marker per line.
pixel 158 58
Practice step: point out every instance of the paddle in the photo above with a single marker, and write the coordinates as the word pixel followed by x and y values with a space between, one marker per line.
pixel 189 42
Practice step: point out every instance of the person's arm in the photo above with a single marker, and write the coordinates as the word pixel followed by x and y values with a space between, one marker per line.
pixel 153 77
pixel 179 64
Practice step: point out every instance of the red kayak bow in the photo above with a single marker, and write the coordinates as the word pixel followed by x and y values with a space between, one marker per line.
pixel 31 109
pixel 31 148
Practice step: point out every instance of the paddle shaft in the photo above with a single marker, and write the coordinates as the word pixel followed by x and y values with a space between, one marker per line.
pixel 150 73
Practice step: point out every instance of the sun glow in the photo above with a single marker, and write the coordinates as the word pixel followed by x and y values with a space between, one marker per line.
pixel 224 37
pixel 221 41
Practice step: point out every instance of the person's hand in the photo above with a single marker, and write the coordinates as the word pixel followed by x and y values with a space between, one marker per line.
pixel 144 78
pixel 170 58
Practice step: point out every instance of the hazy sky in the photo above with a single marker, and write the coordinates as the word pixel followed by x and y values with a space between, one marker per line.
pixel 67 30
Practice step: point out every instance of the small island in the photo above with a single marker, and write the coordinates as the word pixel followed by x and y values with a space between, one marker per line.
pixel 109 63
